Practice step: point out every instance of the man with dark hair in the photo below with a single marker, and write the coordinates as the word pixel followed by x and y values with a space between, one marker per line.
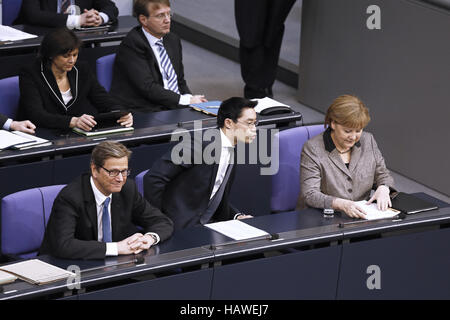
pixel 148 70
pixel 67 13
pixel 97 214
pixel 9 124
pixel 193 192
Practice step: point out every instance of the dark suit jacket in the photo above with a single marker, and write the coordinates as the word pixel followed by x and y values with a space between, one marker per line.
pixel 43 12
pixel 3 119
pixel 41 101
pixel 137 80
pixel 72 233
pixel 182 191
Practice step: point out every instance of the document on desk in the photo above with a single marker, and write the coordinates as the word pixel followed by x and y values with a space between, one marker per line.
pixel 36 271
pixel 372 212
pixel 237 229
pixel 211 107
pixel 11 34
pixel 6 277
pixel 266 103
pixel 19 140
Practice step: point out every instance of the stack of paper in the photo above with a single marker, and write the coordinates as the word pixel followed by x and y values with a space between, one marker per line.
pixel 20 140
pixel 236 229
pixel 266 103
pixel 6 277
pixel 103 131
pixel 372 212
pixel 36 271
pixel 11 34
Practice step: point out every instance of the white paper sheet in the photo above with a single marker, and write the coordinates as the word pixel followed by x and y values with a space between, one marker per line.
pixel 8 139
pixel 267 102
pixel 236 229
pixel 10 34
pixel 372 212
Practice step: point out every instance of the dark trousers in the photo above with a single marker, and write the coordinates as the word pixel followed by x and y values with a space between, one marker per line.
pixel 260 25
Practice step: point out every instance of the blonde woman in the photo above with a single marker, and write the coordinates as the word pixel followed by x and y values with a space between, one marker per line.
pixel 343 164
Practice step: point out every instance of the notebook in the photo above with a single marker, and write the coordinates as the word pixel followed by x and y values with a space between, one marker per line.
pixel 106 124
pixel 409 204
pixel 211 107
pixel 36 271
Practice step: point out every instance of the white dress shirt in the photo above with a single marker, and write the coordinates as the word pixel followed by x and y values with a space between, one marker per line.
pixel 111 247
pixel 73 20
pixel 67 96
pixel 225 159
pixel 7 124
pixel 185 99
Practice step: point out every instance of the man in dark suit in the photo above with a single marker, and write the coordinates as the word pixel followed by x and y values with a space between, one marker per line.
pixel 260 26
pixel 97 215
pixel 9 124
pixel 67 13
pixel 148 69
pixel 194 190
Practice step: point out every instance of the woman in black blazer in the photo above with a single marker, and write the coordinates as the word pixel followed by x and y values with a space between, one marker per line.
pixel 56 92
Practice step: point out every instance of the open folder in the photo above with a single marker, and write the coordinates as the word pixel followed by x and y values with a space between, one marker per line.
pixel 19 140
pixel 36 271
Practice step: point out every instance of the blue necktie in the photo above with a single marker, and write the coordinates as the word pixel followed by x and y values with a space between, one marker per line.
pixel 106 224
pixel 170 75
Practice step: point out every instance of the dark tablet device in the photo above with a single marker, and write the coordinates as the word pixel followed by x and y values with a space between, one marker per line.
pixel 109 119
pixel 409 204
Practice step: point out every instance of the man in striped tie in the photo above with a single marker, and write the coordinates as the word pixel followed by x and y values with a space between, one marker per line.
pixel 148 70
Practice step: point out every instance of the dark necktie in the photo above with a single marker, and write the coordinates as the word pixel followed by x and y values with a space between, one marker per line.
pixel 170 75
pixel 64 5
pixel 106 224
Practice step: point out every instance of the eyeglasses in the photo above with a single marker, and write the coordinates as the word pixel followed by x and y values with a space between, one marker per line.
pixel 162 16
pixel 250 124
pixel 115 173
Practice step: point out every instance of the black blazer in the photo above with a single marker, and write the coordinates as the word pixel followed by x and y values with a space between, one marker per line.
pixel 72 231
pixel 3 119
pixel 137 80
pixel 43 12
pixel 182 191
pixel 41 101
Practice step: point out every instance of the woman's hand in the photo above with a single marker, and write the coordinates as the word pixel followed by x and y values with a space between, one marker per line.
pixel 381 195
pixel 126 120
pixel 85 122
pixel 349 207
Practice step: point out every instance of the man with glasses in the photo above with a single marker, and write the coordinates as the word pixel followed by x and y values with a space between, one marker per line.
pixel 98 213
pixel 196 192
pixel 148 70
pixel 67 13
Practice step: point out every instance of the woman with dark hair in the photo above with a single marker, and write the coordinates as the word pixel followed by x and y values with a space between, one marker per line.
pixel 56 92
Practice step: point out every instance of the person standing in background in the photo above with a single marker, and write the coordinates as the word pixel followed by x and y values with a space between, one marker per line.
pixel 260 25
